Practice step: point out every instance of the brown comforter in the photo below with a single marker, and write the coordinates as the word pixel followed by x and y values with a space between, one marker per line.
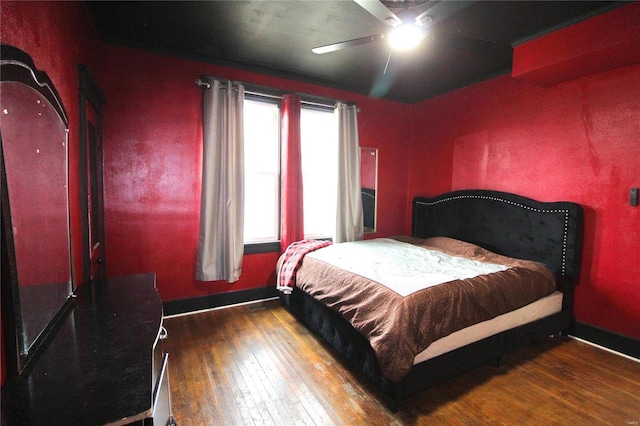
pixel 399 328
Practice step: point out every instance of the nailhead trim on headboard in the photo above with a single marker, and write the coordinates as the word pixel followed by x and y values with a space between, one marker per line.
pixel 534 209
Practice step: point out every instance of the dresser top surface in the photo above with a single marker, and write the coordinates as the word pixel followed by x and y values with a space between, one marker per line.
pixel 97 367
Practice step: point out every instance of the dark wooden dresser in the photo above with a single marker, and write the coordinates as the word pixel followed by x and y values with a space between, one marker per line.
pixel 104 364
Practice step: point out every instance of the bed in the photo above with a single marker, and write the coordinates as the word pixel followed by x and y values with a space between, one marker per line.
pixel 542 240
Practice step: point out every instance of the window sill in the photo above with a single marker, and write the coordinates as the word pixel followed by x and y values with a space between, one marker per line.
pixel 270 247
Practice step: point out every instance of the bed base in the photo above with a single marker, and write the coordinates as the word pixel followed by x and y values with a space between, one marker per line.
pixel 356 351
pixel 515 226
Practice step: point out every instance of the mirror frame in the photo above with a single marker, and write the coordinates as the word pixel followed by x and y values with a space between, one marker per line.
pixel 17 66
pixel 371 152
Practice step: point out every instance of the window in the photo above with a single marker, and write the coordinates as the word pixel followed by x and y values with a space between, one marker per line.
pixel 262 170
pixel 319 142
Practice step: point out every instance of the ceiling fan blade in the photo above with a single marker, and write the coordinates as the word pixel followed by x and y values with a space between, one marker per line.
pixel 380 11
pixel 349 43
pixel 440 11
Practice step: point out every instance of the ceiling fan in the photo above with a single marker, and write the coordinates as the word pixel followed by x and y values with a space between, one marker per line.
pixel 410 25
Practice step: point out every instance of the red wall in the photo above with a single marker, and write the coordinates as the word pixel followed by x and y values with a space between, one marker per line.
pixel 576 141
pixel 38 162
pixel 368 169
pixel 57 36
pixel 152 166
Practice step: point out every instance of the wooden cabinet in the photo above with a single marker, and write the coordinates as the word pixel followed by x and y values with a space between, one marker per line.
pixel 103 364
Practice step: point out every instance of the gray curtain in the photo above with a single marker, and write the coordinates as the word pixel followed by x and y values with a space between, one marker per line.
pixel 220 242
pixel 349 220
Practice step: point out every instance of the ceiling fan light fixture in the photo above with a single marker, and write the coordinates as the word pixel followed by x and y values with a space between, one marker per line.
pixel 405 37
pixel 424 20
pixel 392 21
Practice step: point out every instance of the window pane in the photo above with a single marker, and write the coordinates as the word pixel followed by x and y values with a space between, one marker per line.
pixel 262 171
pixel 319 171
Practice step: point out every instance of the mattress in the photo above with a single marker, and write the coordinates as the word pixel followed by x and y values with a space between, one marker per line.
pixel 399 318
pixel 541 308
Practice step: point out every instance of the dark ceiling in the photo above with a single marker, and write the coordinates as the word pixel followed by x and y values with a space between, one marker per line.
pixel 276 38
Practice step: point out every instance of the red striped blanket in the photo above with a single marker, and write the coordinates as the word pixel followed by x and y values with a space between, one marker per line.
pixel 291 261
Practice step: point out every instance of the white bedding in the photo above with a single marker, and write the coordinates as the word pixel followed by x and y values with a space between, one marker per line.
pixel 402 267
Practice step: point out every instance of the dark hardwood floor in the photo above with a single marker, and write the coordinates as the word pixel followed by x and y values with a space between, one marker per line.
pixel 256 365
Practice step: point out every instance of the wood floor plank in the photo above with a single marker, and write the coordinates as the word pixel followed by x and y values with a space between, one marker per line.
pixel 255 364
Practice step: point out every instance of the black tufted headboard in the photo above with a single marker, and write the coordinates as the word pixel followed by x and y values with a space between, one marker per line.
pixel 508 224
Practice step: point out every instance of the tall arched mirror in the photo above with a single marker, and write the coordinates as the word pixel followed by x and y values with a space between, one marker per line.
pixel 369 186
pixel 35 202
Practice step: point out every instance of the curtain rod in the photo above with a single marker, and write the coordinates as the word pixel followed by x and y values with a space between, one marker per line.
pixel 203 84
pixel 268 92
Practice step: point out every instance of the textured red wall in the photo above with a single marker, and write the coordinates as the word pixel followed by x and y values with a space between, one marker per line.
pixel 576 141
pixel 152 166
pixel 44 31
pixel 57 36
pixel 368 168
pixel 603 43
pixel 37 162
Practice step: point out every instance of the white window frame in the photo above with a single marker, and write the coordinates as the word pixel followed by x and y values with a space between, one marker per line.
pixel 319 154
pixel 273 244
pixel 268 242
